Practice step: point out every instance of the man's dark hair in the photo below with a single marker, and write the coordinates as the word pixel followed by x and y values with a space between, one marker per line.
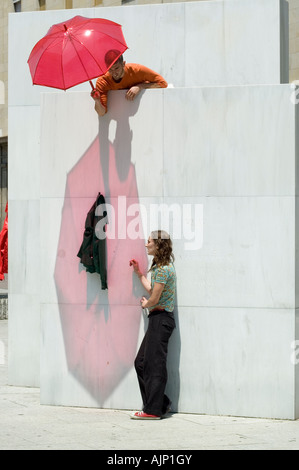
pixel 111 56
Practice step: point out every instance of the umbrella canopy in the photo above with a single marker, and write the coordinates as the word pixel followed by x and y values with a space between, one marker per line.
pixel 75 51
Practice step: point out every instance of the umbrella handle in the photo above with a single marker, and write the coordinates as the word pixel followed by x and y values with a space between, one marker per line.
pixel 95 94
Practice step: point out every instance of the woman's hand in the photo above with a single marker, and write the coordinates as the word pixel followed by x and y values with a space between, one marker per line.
pixel 143 302
pixel 135 265
pixel 145 283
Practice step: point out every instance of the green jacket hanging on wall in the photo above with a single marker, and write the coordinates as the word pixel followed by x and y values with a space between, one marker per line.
pixel 92 252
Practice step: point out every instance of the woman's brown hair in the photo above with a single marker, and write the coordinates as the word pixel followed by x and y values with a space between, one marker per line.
pixel 164 255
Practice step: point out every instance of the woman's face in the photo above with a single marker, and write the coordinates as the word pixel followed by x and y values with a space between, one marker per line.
pixel 151 247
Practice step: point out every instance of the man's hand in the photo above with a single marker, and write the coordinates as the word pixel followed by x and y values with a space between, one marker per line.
pixel 136 89
pixel 100 109
pixel 95 94
pixel 133 92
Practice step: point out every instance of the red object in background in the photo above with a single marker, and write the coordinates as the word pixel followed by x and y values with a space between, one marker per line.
pixel 4 247
pixel 73 52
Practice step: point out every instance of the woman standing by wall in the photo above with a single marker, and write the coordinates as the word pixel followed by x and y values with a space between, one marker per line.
pixel 151 359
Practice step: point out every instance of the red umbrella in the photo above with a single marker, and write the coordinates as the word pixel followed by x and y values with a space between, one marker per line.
pixel 75 51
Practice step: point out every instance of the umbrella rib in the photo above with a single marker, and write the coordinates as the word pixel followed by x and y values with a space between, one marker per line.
pixel 95 60
pixel 61 64
pixel 40 57
pixel 73 44
pixel 110 36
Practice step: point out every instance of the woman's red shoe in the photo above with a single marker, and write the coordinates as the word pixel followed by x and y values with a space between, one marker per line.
pixel 143 415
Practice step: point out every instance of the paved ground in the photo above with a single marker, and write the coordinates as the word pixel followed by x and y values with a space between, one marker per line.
pixel 27 425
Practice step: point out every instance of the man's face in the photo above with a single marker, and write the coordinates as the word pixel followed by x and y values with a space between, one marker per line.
pixel 117 70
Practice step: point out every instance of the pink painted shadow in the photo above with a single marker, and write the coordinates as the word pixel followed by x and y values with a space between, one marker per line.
pixel 100 328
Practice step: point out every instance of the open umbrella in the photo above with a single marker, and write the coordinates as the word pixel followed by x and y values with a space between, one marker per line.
pixel 75 51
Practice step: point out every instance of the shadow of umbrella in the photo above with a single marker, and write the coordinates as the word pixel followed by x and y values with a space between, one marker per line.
pixel 100 328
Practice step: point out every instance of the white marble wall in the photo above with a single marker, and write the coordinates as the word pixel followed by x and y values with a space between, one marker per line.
pixel 214 43
pixel 231 352
pixel 230 150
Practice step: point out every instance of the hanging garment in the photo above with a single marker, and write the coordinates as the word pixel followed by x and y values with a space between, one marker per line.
pixel 4 247
pixel 92 252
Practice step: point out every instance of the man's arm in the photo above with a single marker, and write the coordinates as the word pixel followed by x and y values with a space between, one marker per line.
pixel 100 109
pixel 98 105
pixel 136 89
pixel 147 78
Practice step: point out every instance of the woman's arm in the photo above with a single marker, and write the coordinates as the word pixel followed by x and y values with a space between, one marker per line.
pixel 144 281
pixel 154 297
pixel 155 293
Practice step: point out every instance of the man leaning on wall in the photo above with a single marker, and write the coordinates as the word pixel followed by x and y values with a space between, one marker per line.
pixel 122 76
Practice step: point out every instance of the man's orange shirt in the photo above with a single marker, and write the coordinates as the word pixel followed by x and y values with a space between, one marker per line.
pixel 133 75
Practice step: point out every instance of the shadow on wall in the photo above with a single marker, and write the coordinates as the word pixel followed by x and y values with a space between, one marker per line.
pixel 173 364
pixel 101 328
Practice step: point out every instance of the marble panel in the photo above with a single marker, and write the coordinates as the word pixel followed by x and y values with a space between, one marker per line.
pixel 24 247
pixel 146 128
pixel 92 361
pixel 104 151
pixel 51 213
pixel 57 385
pixel 234 32
pixel 229 141
pixel 231 369
pixel 24 340
pixel 245 256
pixel 65 141
pixel 24 157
